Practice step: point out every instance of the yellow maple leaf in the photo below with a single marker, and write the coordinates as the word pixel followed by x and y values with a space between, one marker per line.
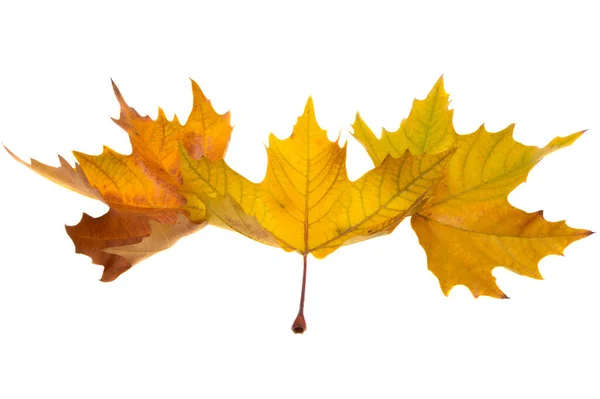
pixel 468 226
pixel 306 203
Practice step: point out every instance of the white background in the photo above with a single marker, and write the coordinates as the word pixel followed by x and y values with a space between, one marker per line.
pixel 211 317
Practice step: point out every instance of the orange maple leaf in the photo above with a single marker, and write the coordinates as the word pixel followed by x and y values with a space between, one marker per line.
pixel 143 189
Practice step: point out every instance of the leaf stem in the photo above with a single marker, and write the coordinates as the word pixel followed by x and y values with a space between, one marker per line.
pixel 299 325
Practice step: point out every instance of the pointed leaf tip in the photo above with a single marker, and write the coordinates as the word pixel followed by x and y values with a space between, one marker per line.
pixel 197 91
pixel 310 106
pixel 561 142
pixel 198 97
pixel 116 89
pixel 440 80
pixel 438 87
pixel 12 154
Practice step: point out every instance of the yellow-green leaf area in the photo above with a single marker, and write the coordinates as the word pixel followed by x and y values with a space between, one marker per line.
pixel 427 130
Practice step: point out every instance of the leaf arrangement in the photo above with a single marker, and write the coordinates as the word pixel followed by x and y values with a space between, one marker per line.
pixel 455 187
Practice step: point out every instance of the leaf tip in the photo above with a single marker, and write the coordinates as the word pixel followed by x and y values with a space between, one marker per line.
pixel 309 107
pixel 78 155
pixel 563 141
pixel 575 136
pixel 16 158
pixel 271 140
pixel 358 122
pixel 197 92
pixel 9 151
pixel 444 286
pixel 114 267
pixel 118 94
pixel 440 81
pixel 106 278
pixel 438 87
pixel 357 118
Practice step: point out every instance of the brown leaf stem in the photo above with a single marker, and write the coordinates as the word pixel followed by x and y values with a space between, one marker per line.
pixel 299 325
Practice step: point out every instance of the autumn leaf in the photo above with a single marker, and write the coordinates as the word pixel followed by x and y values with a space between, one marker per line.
pixel 143 189
pixel 306 203
pixel 454 188
pixel 468 227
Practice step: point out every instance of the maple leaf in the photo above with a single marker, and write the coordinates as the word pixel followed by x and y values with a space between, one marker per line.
pixel 306 203
pixel 468 227
pixel 143 189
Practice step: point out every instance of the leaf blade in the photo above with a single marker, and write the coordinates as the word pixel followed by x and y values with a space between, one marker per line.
pixel 305 200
